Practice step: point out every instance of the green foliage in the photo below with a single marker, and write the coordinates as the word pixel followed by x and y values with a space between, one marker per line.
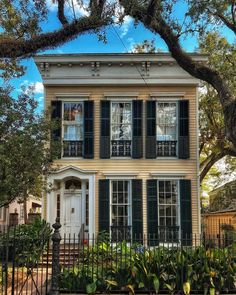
pixel 26 242
pixel 24 157
pixel 119 267
pixel 214 144
pixel 147 46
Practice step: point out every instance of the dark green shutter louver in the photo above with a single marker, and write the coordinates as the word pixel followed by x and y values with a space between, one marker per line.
pixel 183 141
pixel 151 130
pixel 185 212
pixel 56 115
pixel 152 215
pixel 88 130
pixel 137 142
pixel 104 205
pixel 137 210
pixel 105 130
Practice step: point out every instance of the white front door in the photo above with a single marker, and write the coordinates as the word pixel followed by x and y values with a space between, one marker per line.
pixel 73 214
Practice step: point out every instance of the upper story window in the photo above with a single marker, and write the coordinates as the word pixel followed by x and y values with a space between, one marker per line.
pixel 73 129
pixel 166 129
pixel 121 129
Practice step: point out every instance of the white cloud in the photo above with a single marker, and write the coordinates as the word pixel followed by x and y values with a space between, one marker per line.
pixel 131 44
pixel 125 26
pixel 38 87
pixel 70 6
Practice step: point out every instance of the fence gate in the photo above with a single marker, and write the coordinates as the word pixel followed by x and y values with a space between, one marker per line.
pixel 25 259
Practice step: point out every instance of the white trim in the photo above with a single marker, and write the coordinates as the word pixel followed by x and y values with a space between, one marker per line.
pixel 165 99
pixel 76 169
pixel 62 96
pixel 177 95
pixel 168 175
pixel 117 80
pixel 197 163
pixel 113 95
pixel 120 175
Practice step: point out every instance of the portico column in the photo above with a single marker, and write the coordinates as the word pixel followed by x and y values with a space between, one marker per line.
pixel 83 195
pixel 91 206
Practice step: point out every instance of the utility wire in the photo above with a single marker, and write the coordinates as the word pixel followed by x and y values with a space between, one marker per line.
pixel 127 51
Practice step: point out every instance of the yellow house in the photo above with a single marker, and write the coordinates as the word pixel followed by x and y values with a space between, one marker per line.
pixel 129 129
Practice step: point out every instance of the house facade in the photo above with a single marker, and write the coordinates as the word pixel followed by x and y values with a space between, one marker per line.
pixel 129 133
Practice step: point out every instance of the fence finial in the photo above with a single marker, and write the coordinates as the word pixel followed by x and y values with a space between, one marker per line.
pixel 56 239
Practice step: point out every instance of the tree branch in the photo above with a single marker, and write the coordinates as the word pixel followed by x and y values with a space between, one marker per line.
pixel 61 13
pixel 11 48
pixel 159 26
pixel 230 25
pixel 212 159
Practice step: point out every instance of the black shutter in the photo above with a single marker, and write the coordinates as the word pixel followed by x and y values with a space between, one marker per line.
pixel 105 130
pixel 104 205
pixel 56 108
pixel 185 212
pixel 152 210
pixel 137 142
pixel 183 129
pixel 137 210
pixel 88 130
pixel 151 130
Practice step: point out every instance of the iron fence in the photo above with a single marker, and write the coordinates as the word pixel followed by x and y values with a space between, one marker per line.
pixel 22 270
pixel 41 263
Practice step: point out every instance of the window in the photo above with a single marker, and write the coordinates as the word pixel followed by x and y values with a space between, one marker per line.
pixel 166 129
pixel 120 210
pixel 121 129
pixel 73 129
pixel 168 210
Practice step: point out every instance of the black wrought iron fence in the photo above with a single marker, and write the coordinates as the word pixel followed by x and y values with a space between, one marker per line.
pixel 22 268
pixel 38 263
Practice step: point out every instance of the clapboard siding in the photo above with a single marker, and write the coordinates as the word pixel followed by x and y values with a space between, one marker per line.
pixel 144 167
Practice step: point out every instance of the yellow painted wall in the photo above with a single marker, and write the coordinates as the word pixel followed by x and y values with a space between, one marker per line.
pixel 212 222
pixel 142 166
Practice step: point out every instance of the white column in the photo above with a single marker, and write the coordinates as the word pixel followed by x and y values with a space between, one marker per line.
pixel 91 205
pixel 83 205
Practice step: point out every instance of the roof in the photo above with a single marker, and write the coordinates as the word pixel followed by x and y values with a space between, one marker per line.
pixel 219 212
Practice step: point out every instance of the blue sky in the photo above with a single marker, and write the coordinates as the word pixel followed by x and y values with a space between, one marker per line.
pixel 88 43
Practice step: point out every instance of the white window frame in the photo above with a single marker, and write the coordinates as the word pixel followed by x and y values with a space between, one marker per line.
pixel 130 221
pixel 121 101
pixel 177 125
pixel 178 218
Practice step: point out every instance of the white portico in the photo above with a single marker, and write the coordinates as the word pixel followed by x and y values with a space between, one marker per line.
pixel 72 199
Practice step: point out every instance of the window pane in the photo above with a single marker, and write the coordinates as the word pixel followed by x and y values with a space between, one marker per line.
pixel 166 121
pixel 73 112
pixel 73 132
pixel 121 128
pixel 120 200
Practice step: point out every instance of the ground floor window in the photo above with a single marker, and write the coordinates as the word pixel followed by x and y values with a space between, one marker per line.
pixel 168 210
pixel 120 208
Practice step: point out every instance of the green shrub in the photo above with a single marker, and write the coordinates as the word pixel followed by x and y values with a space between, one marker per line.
pixel 106 267
pixel 25 243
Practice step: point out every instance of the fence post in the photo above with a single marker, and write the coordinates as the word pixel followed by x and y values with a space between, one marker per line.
pixel 56 239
